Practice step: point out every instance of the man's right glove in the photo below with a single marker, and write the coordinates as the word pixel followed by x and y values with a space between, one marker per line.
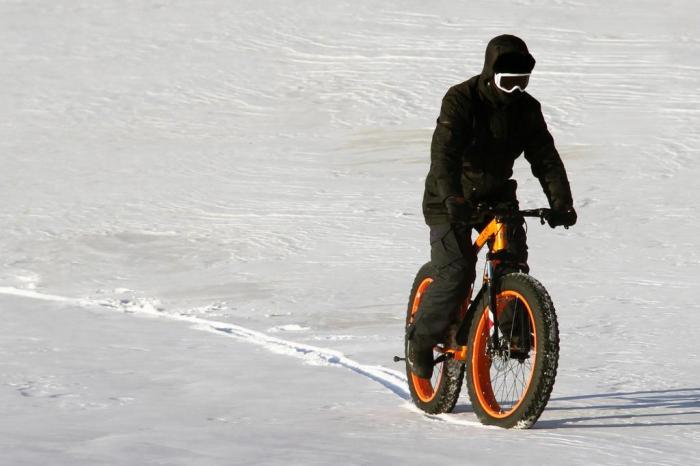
pixel 459 209
pixel 565 218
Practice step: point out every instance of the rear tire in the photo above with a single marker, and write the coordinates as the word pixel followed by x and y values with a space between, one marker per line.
pixel 510 387
pixel 439 393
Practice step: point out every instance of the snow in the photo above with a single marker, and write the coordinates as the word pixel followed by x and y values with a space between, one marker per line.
pixel 211 221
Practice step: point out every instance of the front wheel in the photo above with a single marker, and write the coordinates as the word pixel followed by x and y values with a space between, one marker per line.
pixel 439 393
pixel 510 381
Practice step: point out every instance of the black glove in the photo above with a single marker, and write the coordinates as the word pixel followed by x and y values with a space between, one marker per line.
pixel 562 217
pixel 459 209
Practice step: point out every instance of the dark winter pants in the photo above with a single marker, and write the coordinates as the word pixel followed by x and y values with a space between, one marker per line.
pixel 454 259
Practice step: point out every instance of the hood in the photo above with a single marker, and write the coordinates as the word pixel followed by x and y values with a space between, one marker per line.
pixel 504 53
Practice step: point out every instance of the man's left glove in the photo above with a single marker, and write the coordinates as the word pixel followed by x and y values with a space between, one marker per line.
pixel 459 209
pixel 562 217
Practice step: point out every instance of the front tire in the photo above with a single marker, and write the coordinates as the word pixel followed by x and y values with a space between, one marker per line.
pixel 439 393
pixel 509 386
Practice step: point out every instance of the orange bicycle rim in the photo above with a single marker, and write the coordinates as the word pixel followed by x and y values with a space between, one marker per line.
pixel 424 387
pixel 481 361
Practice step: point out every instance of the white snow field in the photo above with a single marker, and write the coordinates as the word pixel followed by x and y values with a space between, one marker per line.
pixel 210 221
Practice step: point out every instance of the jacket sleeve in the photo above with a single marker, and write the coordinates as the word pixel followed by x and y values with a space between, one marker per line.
pixel 546 163
pixel 449 139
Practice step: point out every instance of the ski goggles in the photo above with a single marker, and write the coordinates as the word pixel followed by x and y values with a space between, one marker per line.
pixel 509 82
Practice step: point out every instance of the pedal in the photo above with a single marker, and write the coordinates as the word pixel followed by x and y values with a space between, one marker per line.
pixel 443 357
pixel 397 359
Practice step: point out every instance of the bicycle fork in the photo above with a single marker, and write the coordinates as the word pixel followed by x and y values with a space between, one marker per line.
pixel 491 291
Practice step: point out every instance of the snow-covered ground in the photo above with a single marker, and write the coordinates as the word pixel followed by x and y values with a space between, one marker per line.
pixel 211 219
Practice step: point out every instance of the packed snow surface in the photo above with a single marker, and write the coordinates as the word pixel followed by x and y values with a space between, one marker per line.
pixel 211 222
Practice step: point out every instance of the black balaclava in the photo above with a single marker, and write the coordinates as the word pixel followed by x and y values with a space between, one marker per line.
pixel 504 54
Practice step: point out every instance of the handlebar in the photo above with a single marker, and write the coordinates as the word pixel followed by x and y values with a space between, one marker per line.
pixel 505 212
pixel 542 213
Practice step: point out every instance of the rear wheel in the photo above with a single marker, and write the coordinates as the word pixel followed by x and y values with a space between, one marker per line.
pixel 439 393
pixel 510 383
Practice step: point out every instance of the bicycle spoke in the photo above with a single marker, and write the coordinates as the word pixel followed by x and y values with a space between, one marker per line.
pixel 509 373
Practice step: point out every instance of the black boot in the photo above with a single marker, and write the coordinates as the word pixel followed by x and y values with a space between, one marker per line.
pixel 420 357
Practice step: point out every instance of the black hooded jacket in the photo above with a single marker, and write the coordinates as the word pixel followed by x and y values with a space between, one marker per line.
pixel 480 132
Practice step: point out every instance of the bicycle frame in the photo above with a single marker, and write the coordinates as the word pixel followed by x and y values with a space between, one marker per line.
pixel 494 234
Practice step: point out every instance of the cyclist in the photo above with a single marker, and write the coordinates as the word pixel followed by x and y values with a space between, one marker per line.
pixel 485 123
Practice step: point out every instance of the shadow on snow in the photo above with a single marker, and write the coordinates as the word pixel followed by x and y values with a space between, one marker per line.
pixel 663 408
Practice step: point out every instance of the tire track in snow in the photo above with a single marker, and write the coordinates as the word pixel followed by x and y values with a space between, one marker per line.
pixel 393 380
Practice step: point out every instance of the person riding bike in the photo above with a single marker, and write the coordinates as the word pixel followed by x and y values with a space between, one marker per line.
pixel 485 123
